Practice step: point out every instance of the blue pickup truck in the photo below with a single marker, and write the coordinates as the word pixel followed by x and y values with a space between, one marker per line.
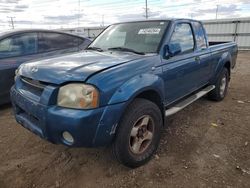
pixel 120 90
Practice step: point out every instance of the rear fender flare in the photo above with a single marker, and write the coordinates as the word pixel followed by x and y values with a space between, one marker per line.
pixel 225 57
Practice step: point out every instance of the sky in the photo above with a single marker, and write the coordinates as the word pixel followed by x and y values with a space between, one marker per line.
pixel 53 14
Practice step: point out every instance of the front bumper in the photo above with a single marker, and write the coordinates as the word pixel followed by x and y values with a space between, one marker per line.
pixel 89 128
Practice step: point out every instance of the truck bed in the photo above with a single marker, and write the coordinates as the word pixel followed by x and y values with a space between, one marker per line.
pixel 222 47
pixel 212 43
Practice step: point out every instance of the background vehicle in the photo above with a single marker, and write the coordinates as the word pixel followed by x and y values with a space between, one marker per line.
pixel 119 91
pixel 20 46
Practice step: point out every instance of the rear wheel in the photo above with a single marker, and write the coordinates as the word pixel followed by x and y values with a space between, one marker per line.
pixel 139 133
pixel 221 86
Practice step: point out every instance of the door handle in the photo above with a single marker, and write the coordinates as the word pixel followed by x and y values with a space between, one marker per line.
pixel 197 59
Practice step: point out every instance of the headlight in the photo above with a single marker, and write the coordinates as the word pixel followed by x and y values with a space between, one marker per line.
pixel 79 96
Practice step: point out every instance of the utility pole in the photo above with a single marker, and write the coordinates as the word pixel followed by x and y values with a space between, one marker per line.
pixel 12 21
pixel 146 10
pixel 216 14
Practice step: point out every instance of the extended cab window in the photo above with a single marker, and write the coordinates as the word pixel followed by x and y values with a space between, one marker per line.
pixel 139 36
pixel 183 37
pixel 199 35
pixel 18 45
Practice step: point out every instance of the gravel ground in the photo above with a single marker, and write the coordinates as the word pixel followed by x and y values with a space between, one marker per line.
pixel 205 145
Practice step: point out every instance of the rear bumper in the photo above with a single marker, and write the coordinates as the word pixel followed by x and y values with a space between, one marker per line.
pixel 89 128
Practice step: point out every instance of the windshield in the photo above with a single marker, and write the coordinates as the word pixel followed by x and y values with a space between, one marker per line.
pixel 143 37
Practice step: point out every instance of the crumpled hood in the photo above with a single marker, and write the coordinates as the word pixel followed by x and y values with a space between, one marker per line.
pixel 74 67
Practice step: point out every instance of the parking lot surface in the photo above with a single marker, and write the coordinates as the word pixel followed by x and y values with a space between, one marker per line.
pixel 205 145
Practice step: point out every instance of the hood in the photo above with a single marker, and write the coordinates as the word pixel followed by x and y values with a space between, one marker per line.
pixel 74 67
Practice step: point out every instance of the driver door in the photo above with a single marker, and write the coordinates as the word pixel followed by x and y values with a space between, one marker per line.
pixel 181 71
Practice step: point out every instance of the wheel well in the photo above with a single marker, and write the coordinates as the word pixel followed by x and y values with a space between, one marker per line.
pixel 227 65
pixel 154 97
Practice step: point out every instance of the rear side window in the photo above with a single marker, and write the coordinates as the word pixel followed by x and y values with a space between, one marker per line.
pixel 18 45
pixel 56 41
pixel 183 36
pixel 199 35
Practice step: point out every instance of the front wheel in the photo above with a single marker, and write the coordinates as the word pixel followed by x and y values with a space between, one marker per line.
pixel 139 133
pixel 221 86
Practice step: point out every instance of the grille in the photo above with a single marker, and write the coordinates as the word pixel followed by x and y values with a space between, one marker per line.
pixel 33 86
pixel 33 83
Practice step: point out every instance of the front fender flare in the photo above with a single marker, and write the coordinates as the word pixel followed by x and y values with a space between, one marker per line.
pixel 137 85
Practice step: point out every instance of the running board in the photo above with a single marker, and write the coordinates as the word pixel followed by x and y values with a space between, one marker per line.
pixel 188 101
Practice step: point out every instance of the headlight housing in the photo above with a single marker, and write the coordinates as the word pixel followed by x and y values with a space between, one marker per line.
pixel 16 73
pixel 78 96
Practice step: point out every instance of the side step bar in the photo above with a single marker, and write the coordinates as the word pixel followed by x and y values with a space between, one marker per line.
pixel 188 101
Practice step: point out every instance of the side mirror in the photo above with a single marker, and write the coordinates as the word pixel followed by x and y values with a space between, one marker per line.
pixel 171 50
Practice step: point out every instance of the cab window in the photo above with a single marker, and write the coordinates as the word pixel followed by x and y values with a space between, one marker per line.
pixel 183 38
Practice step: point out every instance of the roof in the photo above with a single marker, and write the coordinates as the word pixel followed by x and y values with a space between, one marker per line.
pixel 5 33
pixel 150 20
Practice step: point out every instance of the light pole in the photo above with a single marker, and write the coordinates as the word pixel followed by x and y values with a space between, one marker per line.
pixel 146 9
pixel 102 20
pixel 79 12
pixel 216 14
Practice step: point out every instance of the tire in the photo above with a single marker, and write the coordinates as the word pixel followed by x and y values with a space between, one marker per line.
pixel 139 133
pixel 221 86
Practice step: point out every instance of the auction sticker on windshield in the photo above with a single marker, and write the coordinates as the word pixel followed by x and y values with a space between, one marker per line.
pixel 149 31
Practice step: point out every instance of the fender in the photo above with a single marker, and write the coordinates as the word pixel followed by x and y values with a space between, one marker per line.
pixel 127 92
pixel 137 85
pixel 225 57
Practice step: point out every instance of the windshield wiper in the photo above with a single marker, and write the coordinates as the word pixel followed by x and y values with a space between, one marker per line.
pixel 126 50
pixel 95 48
